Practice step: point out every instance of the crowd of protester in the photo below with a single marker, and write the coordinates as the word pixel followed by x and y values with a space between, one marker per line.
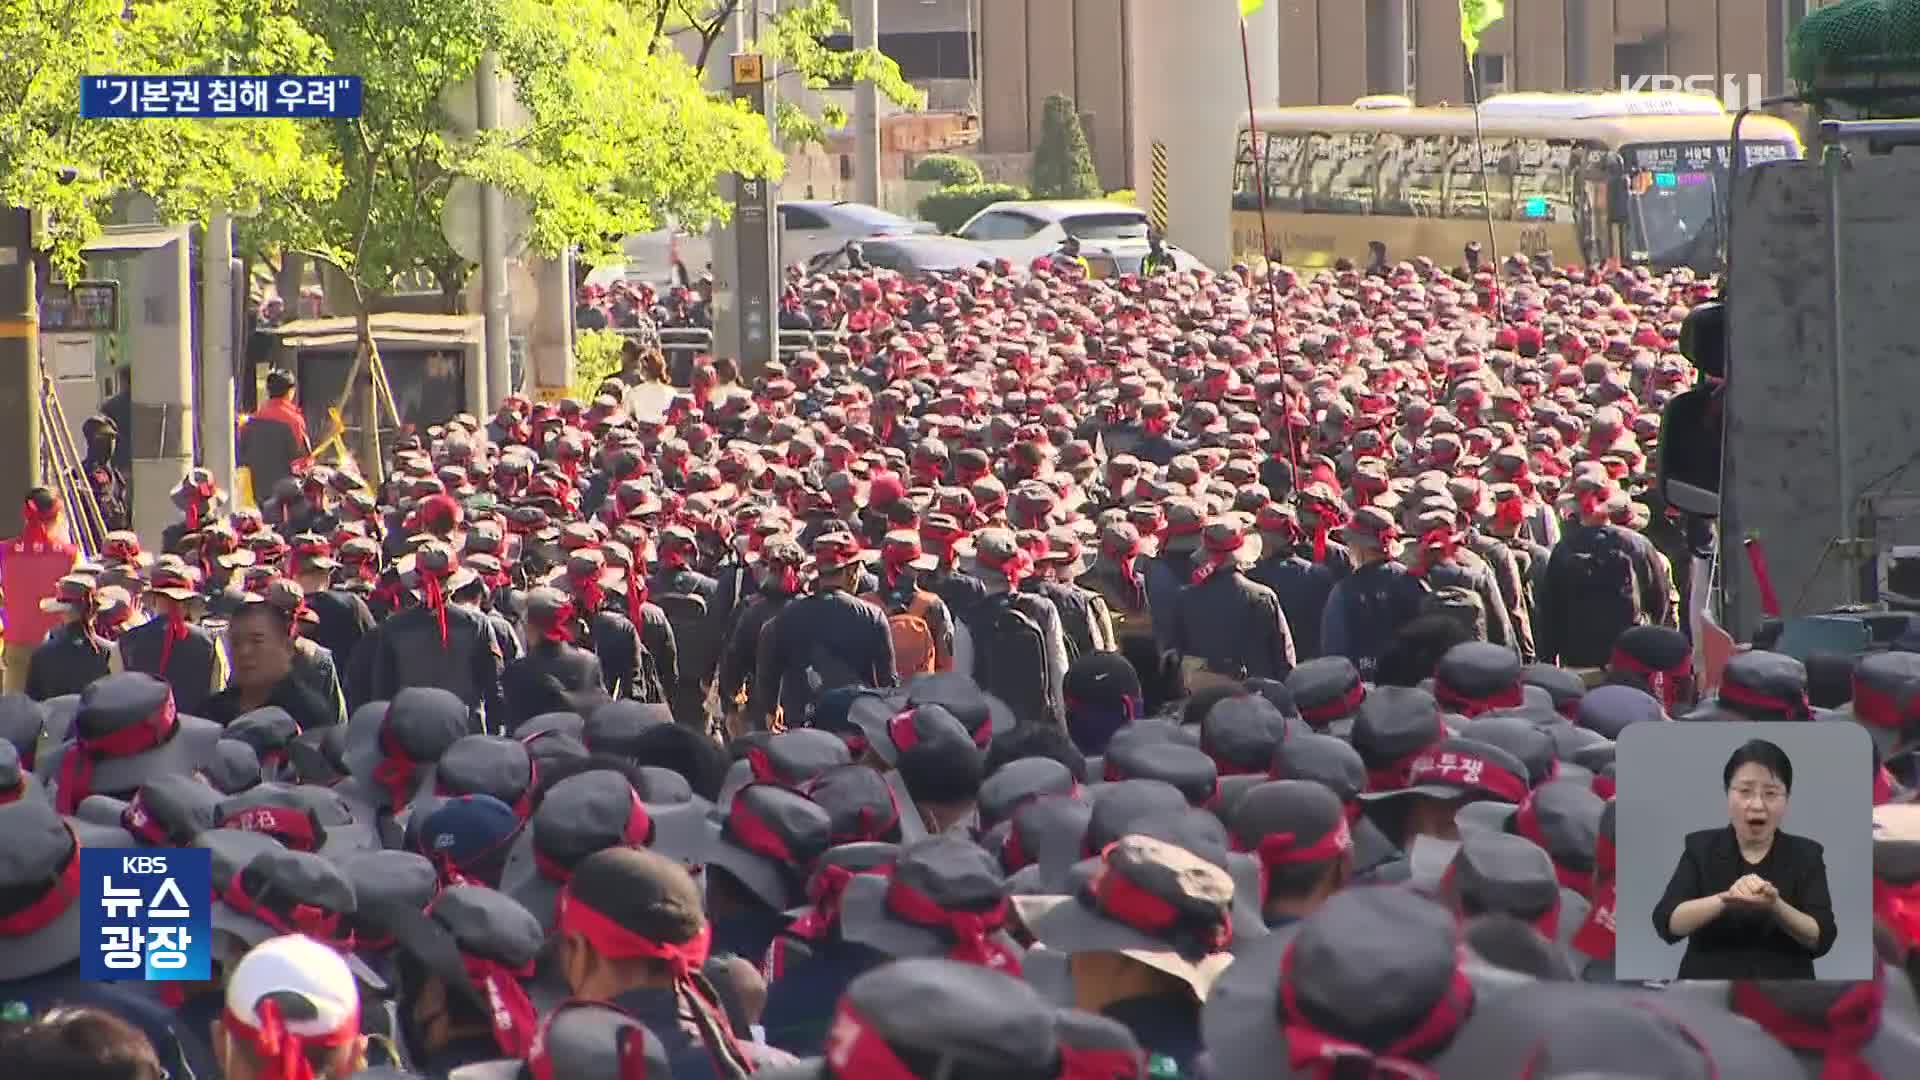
pixel 1053 678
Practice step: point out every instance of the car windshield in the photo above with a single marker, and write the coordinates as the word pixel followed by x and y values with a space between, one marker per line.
pixel 1121 226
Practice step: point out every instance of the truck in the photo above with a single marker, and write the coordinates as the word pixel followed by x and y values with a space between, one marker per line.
pixel 1802 441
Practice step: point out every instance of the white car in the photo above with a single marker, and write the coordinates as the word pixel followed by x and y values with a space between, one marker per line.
pixel 809 229
pixel 1113 235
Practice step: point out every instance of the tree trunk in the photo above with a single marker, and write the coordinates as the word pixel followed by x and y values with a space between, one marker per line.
pixel 362 410
pixel 287 279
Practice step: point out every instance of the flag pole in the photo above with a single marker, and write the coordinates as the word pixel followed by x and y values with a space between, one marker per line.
pixel 1254 145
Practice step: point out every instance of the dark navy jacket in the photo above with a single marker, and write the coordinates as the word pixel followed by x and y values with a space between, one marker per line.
pixel 801 999
pixel 1365 609
pixel 687 1054
pixel 1303 587
pixel 183 1052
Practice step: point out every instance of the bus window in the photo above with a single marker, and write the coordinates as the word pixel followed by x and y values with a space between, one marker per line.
pixel 1246 174
pixel 1393 163
pixel 1324 154
pixel 1350 189
pixel 1465 195
pixel 1286 178
pixel 1426 174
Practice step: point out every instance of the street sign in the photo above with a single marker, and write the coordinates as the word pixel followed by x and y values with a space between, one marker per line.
pixel 460 220
pixel 753 209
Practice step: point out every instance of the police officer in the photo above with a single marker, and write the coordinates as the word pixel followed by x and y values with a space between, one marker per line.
pixel 1224 623
pixel 1159 260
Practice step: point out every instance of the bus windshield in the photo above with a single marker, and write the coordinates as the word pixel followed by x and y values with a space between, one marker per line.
pixel 1675 192
pixel 1675 218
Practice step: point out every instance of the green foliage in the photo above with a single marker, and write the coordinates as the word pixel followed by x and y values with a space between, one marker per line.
pixel 188 167
pixel 1063 162
pixel 596 358
pixel 949 208
pixel 794 39
pixel 620 134
pixel 948 170
pixel 1124 195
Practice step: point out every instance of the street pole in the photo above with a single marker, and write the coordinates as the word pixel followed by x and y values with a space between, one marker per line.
pixel 866 108
pixel 217 348
pixel 493 250
pixel 756 274
pixel 20 360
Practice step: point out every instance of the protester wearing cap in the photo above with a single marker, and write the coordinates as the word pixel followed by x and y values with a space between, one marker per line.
pixel 1299 833
pixel 934 762
pixel 778 582
pixel 1660 656
pixel 555 675
pixel 829 621
pixel 1328 692
pixel 1885 699
pixel 292 1013
pixel 1102 696
pixel 438 643
pixel 341 617
pixel 1224 624
pixel 632 935
pixel 945 896
pixel 73 654
pixel 578 1039
pixel 1759 685
pixel 580 815
pixel 1476 677
pixel 811 963
pixel 262 642
pixel 1116 574
pixel 1601 580
pixel 463 964
pixel 1148 936
pixel 757 860
pixel 1376 599
pixel 1438 781
pixel 922 626
pixel 170 645
pixel 1495 873
pixel 692 602
pixel 393 746
pixel 1860 1029
pixel 1002 565
pixel 1376 977
pixel 1751 899
pixel 126 732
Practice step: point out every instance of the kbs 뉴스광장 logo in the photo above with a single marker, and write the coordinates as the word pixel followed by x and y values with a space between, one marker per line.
pixel 146 914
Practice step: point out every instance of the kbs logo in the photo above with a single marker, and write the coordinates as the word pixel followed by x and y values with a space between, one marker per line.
pixel 1734 91
pixel 145 914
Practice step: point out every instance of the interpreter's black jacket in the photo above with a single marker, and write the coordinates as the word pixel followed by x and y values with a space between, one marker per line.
pixel 1748 944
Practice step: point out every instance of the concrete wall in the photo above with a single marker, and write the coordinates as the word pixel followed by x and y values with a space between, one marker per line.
pixel 1030 49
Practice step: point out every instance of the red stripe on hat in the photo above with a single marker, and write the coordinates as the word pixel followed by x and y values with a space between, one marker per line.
pixel 76 766
pixel 1839 1036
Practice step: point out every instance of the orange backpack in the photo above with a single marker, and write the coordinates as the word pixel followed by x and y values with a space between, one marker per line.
pixel 914 651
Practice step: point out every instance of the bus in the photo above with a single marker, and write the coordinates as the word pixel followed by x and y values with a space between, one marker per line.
pixel 1639 177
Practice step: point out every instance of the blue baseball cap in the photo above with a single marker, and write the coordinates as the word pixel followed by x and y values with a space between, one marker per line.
pixel 470 834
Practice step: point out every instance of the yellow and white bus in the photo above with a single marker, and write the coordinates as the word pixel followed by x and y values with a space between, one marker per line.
pixel 1641 177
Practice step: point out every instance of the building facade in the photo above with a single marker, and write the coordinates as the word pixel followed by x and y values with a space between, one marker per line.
pixel 1333 51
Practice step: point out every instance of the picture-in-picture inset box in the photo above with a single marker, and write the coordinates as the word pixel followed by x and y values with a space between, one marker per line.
pixel 1745 850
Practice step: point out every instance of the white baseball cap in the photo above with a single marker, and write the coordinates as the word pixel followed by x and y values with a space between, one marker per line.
pixel 298 966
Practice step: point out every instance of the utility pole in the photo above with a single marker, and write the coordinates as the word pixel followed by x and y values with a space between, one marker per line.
pixel 493 250
pixel 217 349
pixel 20 360
pixel 866 108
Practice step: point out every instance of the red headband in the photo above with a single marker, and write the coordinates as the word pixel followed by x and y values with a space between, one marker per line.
pixel 1526 822
pixel 140 821
pixel 1603 785
pixel 638 832
pixel 396 772
pixel 825 891
pixel 281 1054
pixel 515 1021
pixel 1460 767
pixel 1284 849
pixel 1665 682
pixel 1881 709
pixel 76 766
pixel 972 931
pixel 1125 902
pixel 52 904
pixel 1507 697
pixel 745 829
pixel 1595 936
pixel 1393 776
pixel 1754 699
pixel 1312 1051
pixel 855 1048
pixel 315 922
pixel 619 943
pixel 1839 1035
pixel 1328 711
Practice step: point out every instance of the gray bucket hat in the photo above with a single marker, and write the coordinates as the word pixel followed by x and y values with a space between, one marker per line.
pixel 945 897
pixel 39 864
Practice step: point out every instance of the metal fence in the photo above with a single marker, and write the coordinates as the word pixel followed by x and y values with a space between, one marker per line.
pixel 681 345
